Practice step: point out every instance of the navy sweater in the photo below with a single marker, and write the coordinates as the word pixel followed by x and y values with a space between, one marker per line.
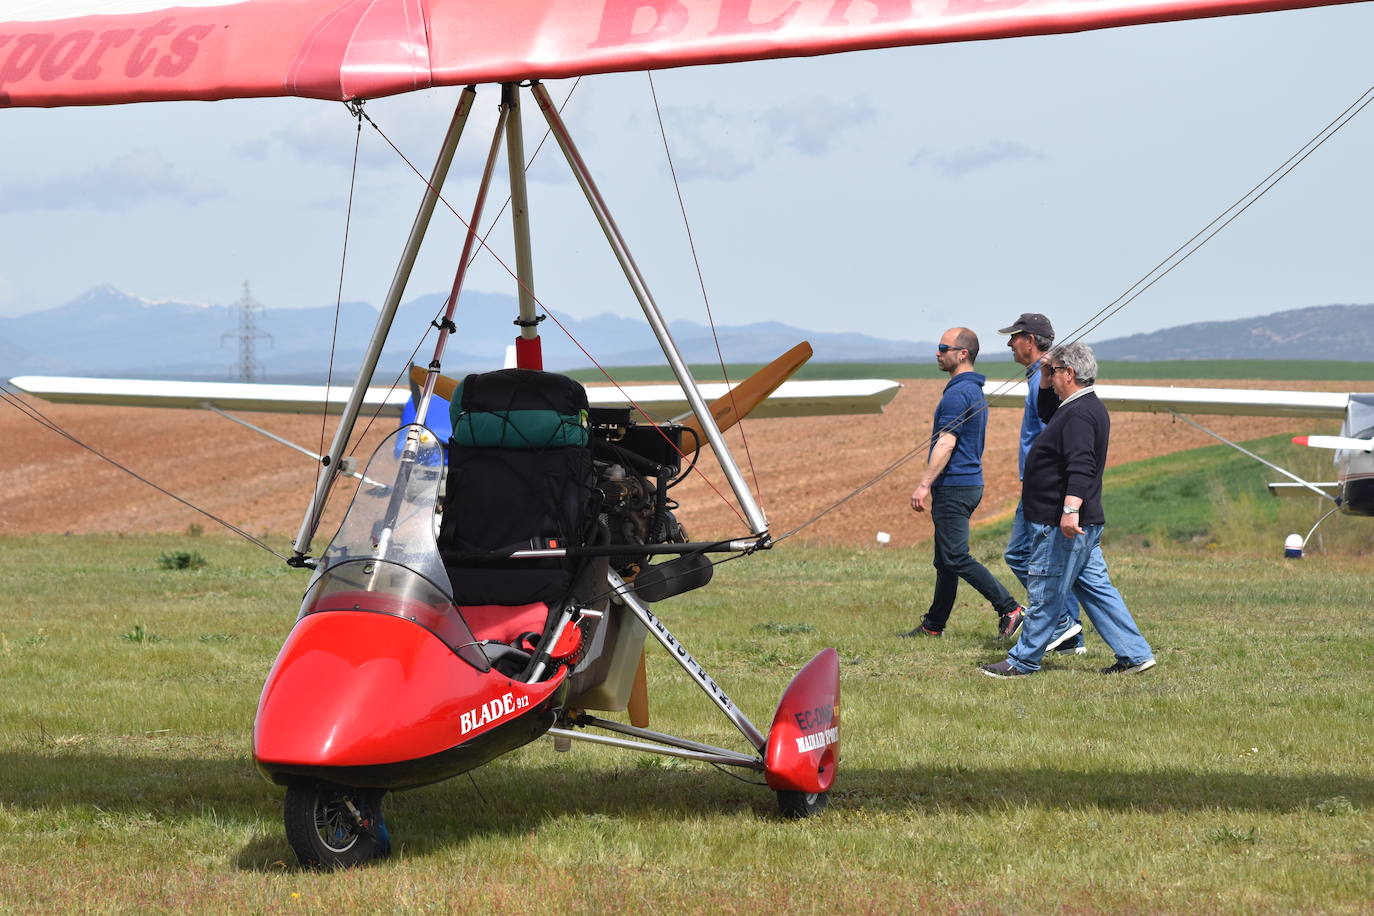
pixel 1067 459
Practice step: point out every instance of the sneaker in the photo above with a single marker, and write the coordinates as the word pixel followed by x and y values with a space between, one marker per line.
pixel 1003 669
pixel 922 630
pixel 1127 668
pixel 1068 642
pixel 1008 625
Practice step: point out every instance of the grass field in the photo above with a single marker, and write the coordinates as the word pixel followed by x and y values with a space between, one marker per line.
pixel 1238 776
pixel 1200 370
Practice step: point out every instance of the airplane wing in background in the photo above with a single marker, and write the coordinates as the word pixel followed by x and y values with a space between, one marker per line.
pixel 792 399
pixel 94 52
pixel 1245 402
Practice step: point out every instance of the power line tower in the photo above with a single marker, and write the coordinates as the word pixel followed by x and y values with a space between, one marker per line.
pixel 248 334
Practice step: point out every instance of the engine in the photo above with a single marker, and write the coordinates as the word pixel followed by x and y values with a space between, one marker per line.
pixel 636 465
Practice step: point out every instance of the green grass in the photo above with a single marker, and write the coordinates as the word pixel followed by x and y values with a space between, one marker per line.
pixel 1237 776
pixel 1199 370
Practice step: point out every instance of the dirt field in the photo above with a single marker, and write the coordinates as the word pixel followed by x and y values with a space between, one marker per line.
pixel 802 466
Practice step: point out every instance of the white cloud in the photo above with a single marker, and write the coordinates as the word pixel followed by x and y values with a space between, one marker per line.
pixel 137 177
pixel 969 159
pixel 814 126
pixel 725 145
pixel 706 142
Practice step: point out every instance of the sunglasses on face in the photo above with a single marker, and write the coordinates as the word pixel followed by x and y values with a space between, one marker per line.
pixel 1054 369
pixel 945 348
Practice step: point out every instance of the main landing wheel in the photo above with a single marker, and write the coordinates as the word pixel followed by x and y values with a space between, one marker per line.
pixel 801 804
pixel 333 826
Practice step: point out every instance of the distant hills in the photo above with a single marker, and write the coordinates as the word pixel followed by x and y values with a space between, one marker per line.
pixel 107 332
pixel 1323 332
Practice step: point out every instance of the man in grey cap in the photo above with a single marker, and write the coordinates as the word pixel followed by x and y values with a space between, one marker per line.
pixel 1032 335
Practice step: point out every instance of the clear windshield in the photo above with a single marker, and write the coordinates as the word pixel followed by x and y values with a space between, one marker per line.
pixel 384 558
pixel 392 515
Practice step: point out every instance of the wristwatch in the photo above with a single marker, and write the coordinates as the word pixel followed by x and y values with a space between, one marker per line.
pixel 1070 510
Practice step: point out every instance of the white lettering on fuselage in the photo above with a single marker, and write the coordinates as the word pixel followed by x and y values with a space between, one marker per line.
pixel 491 711
pixel 818 740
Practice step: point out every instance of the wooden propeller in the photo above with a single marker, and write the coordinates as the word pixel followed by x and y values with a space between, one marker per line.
pixel 443 385
pixel 735 405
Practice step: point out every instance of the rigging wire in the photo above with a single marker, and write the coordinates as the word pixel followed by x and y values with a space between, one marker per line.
pixel 395 382
pixel 1132 292
pixel 357 110
pixel 701 280
pixel 9 396
pixel 1222 220
pixel 504 266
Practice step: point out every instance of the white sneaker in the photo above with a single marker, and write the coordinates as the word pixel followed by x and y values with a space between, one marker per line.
pixel 1058 643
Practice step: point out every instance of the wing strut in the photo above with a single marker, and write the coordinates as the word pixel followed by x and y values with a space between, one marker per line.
pixel 528 352
pixel 1243 451
pixel 384 320
pixel 757 522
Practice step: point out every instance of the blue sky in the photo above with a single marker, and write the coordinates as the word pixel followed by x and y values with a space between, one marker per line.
pixel 889 192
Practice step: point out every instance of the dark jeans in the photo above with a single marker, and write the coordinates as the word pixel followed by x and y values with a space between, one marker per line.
pixel 950 508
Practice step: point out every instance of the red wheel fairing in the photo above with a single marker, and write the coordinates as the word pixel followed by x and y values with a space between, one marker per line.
pixel 804 739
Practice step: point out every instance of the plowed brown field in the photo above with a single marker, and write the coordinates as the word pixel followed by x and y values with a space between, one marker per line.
pixel 802 466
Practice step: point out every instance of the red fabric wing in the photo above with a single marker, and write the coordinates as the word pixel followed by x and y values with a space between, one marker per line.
pixel 142 50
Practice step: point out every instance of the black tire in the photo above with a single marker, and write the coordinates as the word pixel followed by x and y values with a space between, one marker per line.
pixel 801 804
pixel 325 832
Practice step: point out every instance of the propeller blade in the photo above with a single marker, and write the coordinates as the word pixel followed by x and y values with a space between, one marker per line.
pixel 639 696
pixel 443 385
pixel 735 405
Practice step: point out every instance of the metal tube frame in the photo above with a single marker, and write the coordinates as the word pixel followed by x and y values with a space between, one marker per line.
pixel 379 333
pixel 343 465
pixel 734 760
pixel 684 658
pixel 611 725
pixel 756 519
pixel 519 209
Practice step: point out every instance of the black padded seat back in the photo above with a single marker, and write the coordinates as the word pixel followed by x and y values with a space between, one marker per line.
pixel 501 496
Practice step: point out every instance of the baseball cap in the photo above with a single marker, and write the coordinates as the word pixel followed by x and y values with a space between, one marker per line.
pixel 1033 323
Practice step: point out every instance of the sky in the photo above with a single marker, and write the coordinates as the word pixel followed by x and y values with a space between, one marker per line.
pixel 893 193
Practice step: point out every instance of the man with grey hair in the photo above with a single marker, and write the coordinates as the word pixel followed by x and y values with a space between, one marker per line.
pixel 1061 496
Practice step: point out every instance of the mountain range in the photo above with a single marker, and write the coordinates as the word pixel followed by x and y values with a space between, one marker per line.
pixel 106 332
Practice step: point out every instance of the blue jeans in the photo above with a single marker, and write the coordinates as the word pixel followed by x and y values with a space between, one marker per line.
pixel 1017 558
pixel 950 508
pixel 1062 568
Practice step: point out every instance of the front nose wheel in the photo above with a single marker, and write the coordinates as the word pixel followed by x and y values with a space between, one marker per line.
pixel 335 826
pixel 801 804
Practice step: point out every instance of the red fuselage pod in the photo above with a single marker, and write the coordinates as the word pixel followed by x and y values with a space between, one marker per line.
pixel 372 699
pixel 804 740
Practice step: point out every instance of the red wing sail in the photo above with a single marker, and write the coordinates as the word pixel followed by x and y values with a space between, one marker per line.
pixel 91 52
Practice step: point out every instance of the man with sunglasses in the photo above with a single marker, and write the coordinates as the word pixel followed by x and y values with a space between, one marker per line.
pixel 1062 499
pixel 952 487
pixel 1032 336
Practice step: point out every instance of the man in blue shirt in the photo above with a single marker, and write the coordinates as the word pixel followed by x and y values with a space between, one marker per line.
pixel 1032 335
pixel 952 487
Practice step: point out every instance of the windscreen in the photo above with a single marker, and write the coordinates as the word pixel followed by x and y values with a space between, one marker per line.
pixel 384 558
